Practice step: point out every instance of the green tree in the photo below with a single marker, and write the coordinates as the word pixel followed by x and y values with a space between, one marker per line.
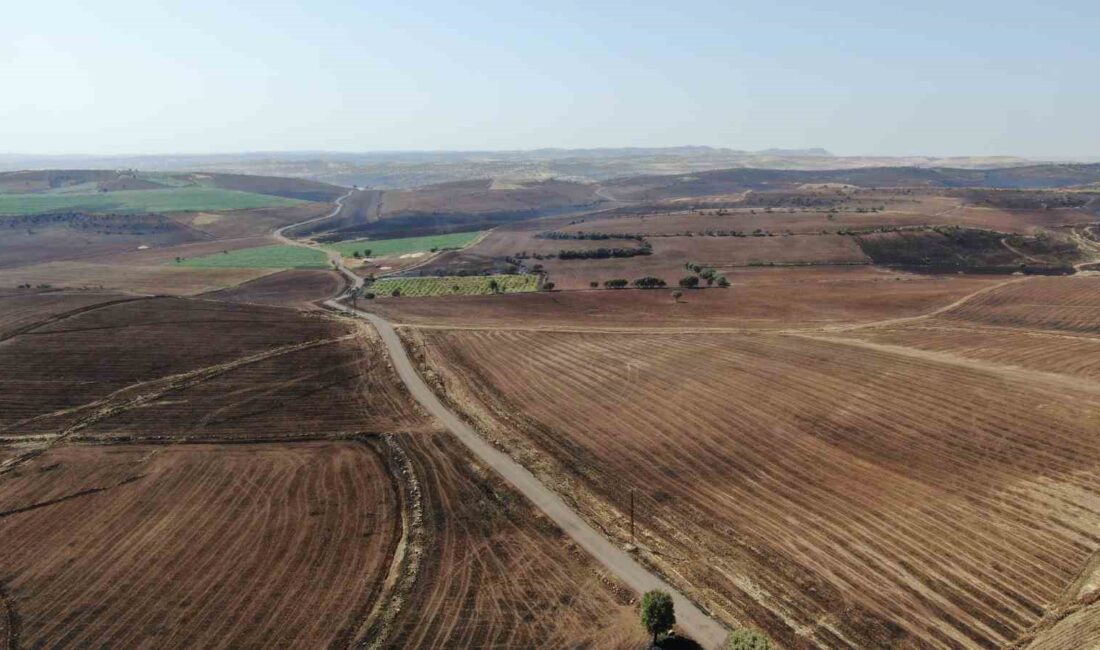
pixel 747 640
pixel 658 613
pixel 356 255
pixel 396 293
pixel 494 286
pixel 723 282
pixel 549 286
pixel 690 282
pixel 594 285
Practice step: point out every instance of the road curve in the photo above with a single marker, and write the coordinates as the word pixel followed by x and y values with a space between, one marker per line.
pixel 706 631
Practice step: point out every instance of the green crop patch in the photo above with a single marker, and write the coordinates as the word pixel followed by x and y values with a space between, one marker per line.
pixel 455 285
pixel 175 199
pixel 262 257
pixel 387 247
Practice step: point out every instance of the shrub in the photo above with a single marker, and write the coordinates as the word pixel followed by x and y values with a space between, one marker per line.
pixel 747 640
pixel 617 283
pixel 690 282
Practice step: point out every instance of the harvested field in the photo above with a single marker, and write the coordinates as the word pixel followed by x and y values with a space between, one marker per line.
pixel 170 280
pixel 337 389
pixel 498 574
pixel 79 236
pixel 232 224
pixel 1069 304
pixel 670 254
pixel 23 308
pixel 828 493
pixel 76 360
pixel 907 212
pixel 298 288
pixel 1075 355
pixel 273 545
pixel 760 298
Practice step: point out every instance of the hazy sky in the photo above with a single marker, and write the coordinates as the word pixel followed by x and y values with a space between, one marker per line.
pixel 896 77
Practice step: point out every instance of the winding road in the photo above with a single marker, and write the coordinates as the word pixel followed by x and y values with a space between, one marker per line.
pixel 705 630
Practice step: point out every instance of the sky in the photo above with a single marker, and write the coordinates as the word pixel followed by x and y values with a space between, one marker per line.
pixel 968 77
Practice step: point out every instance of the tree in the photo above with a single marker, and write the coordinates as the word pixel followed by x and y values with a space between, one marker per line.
pixel 723 282
pixel 366 252
pixel 494 286
pixel 356 255
pixel 396 293
pixel 369 295
pixel 594 284
pixel 747 640
pixel 617 283
pixel 549 286
pixel 676 295
pixel 658 615
pixel 690 282
pixel 649 282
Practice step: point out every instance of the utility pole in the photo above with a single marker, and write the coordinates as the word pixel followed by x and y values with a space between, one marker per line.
pixel 632 516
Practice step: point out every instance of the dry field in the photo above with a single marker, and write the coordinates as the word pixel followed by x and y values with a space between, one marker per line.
pixel 23 308
pixel 760 298
pixel 830 492
pixel 165 280
pixel 498 574
pixel 298 288
pixel 277 545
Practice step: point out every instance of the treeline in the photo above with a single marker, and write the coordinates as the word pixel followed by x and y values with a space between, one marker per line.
pixel 605 253
pixel 647 282
pixel 597 236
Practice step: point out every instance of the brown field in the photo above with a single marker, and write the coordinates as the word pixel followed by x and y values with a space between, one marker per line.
pixel 276 545
pixel 23 308
pixel 234 224
pixel 838 495
pixel 159 279
pixel 922 211
pixel 770 298
pixel 498 573
pixel 481 196
pixel 1063 304
pixel 298 288
pixel 155 256
pixel 26 246
pixel 89 356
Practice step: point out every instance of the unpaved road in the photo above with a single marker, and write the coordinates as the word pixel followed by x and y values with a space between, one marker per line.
pixel 706 631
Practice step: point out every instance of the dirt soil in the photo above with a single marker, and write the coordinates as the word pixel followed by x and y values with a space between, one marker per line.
pixel 297 288
pixel 197 545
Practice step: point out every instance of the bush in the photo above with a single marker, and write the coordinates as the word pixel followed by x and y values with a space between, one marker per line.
pixel 690 282
pixel 747 640
pixel 368 295
pixel 617 283
pixel 594 285
pixel 649 282
pixel 723 282
pixel 396 293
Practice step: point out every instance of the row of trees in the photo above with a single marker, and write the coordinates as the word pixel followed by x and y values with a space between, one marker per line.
pixel 585 235
pixel 605 253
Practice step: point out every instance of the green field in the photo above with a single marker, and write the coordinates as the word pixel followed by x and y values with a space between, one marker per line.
pixel 454 285
pixel 384 247
pixel 263 257
pixel 176 199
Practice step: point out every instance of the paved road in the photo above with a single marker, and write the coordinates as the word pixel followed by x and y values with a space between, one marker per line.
pixel 704 629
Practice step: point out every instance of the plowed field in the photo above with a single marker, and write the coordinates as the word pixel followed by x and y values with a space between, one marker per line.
pixel 829 493
pixel 197 546
pixel 498 574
